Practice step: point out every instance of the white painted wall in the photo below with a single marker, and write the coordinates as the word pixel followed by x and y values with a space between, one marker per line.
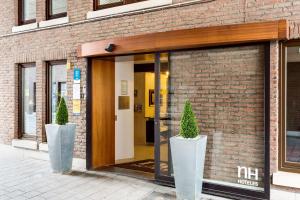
pixel 124 70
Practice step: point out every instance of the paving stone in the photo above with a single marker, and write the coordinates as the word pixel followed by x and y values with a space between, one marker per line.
pixel 31 178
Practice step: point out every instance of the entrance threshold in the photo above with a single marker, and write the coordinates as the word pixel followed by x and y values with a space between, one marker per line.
pixel 145 176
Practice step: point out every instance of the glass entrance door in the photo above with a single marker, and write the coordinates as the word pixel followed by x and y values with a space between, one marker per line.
pixel 163 121
pixel 228 89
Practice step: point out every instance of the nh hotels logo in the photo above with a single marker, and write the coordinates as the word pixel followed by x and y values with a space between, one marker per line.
pixel 248 176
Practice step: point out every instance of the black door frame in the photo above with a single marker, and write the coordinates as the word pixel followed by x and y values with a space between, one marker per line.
pixel 208 188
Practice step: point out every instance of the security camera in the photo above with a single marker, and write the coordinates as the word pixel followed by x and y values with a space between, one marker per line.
pixel 110 47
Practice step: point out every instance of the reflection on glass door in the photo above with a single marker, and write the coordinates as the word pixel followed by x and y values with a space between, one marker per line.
pixel 165 122
pixel 226 89
pixel 58 86
pixel 28 99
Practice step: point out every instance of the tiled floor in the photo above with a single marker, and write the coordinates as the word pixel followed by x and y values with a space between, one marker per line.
pixel 26 175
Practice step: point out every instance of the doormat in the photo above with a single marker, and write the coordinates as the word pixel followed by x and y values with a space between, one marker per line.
pixel 143 166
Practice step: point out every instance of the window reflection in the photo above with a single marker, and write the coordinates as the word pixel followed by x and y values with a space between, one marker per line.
pixel 58 87
pixel 226 89
pixel 58 6
pixel 29 9
pixel 29 99
pixel 293 105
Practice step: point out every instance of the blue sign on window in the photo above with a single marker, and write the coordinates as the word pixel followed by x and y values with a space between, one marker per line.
pixel 77 75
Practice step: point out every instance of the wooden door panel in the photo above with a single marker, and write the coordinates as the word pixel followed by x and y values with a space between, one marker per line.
pixel 103 113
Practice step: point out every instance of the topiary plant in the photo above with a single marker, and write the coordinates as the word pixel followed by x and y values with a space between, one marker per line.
pixel 62 116
pixel 188 122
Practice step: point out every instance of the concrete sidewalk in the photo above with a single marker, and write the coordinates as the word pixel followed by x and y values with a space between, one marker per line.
pixel 26 174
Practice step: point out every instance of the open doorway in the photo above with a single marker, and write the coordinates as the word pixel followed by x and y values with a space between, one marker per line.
pixel 129 133
pixel 139 157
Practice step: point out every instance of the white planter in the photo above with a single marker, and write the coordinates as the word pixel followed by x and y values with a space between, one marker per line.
pixel 188 156
pixel 60 139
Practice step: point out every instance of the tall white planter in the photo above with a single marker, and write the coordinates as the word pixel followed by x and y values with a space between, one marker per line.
pixel 60 139
pixel 188 156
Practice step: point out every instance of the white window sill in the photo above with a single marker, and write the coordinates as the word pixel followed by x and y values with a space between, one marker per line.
pixel 25 144
pixel 127 8
pixel 286 179
pixel 43 147
pixel 54 22
pixel 25 27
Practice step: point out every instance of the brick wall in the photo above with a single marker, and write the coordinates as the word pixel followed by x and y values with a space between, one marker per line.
pixel 274 105
pixel 61 43
pixel 226 89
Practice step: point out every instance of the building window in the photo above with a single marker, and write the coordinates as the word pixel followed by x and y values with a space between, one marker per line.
pixel 290 109
pixel 28 99
pixel 27 11
pixel 101 4
pixel 56 9
pixel 57 87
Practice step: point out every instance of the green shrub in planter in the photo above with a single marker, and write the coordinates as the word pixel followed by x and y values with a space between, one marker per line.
pixel 188 122
pixel 188 156
pixel 62 116
pixel 60 139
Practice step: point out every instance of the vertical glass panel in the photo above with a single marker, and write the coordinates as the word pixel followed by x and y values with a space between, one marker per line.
pixel 58 87
pixel 293 105
pixel 58 6
pixel 29 9
pixel 226 89
pixel 165 117
pixel 29 100
pixel 105 2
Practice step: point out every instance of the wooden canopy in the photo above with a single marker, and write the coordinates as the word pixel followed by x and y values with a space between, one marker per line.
pixel 189 38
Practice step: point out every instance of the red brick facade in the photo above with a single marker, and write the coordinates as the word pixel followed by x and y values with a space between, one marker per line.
pixel 60 42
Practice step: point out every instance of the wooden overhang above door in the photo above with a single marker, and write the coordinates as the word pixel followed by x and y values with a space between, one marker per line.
pixel 189 38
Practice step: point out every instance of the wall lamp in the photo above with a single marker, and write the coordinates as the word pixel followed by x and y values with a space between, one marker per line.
pixel 110 47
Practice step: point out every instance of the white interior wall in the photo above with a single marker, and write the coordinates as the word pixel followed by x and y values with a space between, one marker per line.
pixel 124 127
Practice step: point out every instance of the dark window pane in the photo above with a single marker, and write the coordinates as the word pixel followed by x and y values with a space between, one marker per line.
pixel 29 100
pixel 293 105
pixel 58 6
pixel 29 9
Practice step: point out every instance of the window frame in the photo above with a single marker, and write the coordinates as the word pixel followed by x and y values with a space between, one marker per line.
pixel 283 164
pixel 50 16
pixel 49 66
pixel 21 132
pixel 21 20
pixel 124 2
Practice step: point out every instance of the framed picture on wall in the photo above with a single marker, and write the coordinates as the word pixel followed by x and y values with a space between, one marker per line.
pixel 124 87
pixel 135 93
pixel 152 98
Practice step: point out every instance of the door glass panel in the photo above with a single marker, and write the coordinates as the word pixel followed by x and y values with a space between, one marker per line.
pixel 58 87
pixel 166 123
pixel 293 105
pixel 226 89
pixel 29 100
